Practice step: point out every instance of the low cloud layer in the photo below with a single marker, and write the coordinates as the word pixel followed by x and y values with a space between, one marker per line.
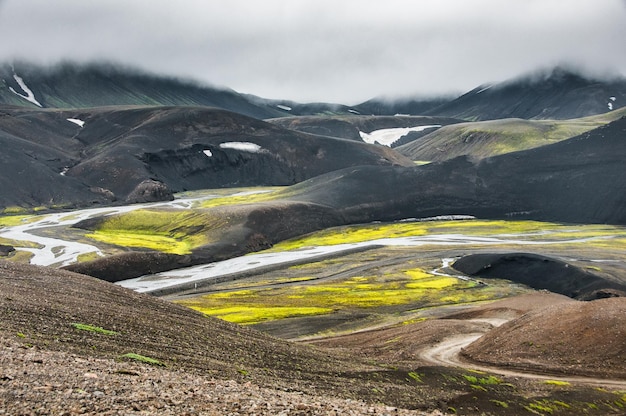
pixel 323 50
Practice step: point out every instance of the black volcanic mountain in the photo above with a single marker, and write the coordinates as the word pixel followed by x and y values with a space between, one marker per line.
pixel 136 154
pixel 558 94
pixel 71 85
pixel 576 180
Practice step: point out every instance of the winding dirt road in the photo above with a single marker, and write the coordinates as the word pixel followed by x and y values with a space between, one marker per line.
pixel 447 353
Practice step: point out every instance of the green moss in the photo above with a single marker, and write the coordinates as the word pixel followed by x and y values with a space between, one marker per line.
pixel 256 305
pixel 13 220
pixel 92 328
pixel 87 257
pixel 499 403
pixel 143 359
pixel 249 196
pixel 252 314
pixel 557 382
pixel 176 232
pixel 415 376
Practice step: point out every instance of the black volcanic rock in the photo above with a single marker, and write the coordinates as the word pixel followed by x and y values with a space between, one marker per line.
pixel 539 272
pixel 557 94
pixel 51 161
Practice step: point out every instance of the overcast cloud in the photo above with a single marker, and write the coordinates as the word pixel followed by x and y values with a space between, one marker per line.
pixel 323 50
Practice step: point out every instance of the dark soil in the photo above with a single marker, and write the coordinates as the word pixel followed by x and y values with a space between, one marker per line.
pixel 540 272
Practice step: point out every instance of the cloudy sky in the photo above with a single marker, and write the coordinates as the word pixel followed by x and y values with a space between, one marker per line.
pixel 323 50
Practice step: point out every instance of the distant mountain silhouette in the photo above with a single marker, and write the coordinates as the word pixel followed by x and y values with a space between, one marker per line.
pixel 71 85
pixel 557 94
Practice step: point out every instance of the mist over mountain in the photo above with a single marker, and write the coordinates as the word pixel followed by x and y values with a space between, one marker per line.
pixel 560 93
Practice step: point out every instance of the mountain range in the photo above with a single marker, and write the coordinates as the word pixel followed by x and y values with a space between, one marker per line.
pixel 559 93
pixel 550 146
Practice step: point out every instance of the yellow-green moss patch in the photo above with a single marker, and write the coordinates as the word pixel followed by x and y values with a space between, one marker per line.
pixel 168 231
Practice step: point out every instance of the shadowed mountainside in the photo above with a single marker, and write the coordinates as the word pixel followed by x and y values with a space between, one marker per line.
pixel 138 154
pixel 557 94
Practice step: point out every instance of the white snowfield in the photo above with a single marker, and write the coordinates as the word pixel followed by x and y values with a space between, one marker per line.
pixel 30 96
pixel 284 107
pixel 76 121
pixel 387 137
pixel 242 146
pixel 207 152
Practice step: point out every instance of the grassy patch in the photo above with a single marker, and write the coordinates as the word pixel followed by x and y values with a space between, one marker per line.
pixel 359 292
pixel 557 383
pixel 92 328
pixel 600 235
pixel 176 232
pixel 253 195
pixel 13 220
pixel 143 359
pixel 252 314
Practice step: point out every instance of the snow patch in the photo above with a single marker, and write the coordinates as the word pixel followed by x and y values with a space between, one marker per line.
pixel 284 107
pixel 208 153
pixel 353 111
pixel 484 89
pixel 243 146
pixel 389 136
pixel 76 121
pixel 610 105
pixel 612 98
pixel 30 96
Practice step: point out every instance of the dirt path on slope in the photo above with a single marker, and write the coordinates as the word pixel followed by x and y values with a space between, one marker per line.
pixel 448 353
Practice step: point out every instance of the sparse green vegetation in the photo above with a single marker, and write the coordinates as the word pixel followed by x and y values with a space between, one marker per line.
pixel 143 359
pixel 557 382
pixel 489 380
pixel 247 196
pixel 415 376
pixel 92 328
pixel 500 403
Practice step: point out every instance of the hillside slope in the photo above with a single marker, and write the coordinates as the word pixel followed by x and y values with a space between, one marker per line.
pixel 136 154
pixel 491 138
pixel 582 337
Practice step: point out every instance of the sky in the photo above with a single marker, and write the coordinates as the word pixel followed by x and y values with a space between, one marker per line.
pixel 343 51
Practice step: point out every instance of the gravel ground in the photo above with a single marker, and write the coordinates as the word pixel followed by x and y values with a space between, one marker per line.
pixel 38 382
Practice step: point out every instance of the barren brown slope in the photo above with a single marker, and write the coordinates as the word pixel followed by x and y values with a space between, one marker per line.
pixel 403 344
pixel 586 338
pixel 38 307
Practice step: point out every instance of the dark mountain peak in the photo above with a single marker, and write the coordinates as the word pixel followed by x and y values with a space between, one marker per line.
pixel 556 77
pixel 555 93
